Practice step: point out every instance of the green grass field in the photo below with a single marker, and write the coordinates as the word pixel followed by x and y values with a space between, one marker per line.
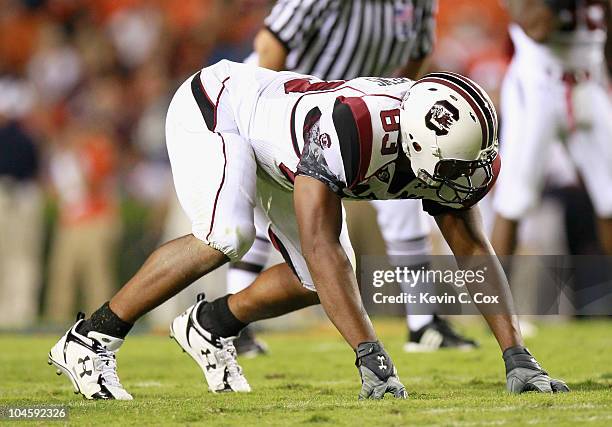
pixel 309 379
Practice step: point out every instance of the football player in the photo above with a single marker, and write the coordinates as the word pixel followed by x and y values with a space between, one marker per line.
pixel 317 38
pixel 556 89
pixel 242 138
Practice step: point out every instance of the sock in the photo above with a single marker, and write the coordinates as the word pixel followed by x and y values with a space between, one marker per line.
pixel 105 321
pixel 417 321
pixel 217 318
pixel 411 253
pixel 239 278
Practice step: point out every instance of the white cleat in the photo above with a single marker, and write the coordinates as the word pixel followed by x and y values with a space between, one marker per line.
pixel 215 355
pixel 90 363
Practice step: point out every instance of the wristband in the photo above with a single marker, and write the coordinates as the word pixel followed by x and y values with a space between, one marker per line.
pixel 519 357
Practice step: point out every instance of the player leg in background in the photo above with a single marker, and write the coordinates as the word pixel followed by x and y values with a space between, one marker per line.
pixel 590 148
pixel 529 107
pixel 239 276
pixel 405 230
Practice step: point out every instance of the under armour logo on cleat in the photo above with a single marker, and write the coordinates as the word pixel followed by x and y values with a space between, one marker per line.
pixel 209 364
pixel 83 363
pixel 381 360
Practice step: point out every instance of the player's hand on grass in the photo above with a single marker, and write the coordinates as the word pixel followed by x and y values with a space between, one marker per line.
pixel 378 374
pixel 524 373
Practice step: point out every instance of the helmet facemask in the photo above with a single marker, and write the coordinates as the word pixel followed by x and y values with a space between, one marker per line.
pixel 459 181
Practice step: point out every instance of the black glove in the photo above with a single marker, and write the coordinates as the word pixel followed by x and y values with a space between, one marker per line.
pixel 378 374
pixel 524 373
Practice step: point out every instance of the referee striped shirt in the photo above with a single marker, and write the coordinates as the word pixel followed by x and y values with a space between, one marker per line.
pixel 343 39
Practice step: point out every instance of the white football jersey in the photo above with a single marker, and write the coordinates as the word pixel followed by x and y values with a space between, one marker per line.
pixel 343 133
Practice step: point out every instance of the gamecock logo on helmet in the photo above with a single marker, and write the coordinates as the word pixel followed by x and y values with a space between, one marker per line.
pixel 441 117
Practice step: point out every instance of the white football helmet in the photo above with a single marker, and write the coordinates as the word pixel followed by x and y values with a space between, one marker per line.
pixel 449 132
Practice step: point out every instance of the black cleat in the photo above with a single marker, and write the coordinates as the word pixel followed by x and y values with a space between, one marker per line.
pixel 248 346
pixel 435 335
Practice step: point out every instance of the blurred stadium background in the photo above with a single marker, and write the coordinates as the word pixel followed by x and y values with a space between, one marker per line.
pixel 85 186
